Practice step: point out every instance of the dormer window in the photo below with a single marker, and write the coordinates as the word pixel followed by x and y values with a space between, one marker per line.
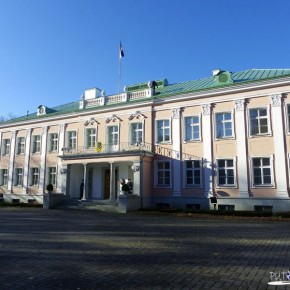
pixel 222 77
pixel 41 110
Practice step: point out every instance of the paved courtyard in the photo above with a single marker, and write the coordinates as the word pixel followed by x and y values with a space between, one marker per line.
pixel 71 249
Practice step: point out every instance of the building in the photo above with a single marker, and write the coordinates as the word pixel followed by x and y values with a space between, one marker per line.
pixel 225 136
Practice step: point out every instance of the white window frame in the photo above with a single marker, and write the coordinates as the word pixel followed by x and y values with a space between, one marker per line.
pixel 18 177
pixel 271 166
pixel 269 133
pixel 194 169
pixel 194 125
pixel 36 144
pixel 90 138
pixel 156 171
pixel 6 146
pixel 163 129
pixel 114 133
pixel 32 176
pixel 71 140
pixel 131 143
pixel 53 142
pixel 20 148
pixel 4 177
pixel 234 185
pixel 231 112
pixel 52 175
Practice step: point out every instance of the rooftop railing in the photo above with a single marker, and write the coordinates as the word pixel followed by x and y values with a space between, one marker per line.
pixel 113 99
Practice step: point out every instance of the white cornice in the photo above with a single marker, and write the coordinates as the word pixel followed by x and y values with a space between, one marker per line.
pixel 236 88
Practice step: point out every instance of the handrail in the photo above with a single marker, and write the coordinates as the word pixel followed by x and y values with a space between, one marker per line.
pixel 100 148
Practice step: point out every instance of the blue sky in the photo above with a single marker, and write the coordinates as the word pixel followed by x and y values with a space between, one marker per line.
pixel 52 50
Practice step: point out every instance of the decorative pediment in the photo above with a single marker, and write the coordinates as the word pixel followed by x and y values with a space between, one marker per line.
pixel 91 121
pixel 113 118
pixel 137 115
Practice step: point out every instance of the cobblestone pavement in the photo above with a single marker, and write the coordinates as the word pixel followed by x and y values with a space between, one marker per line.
pixel 71 249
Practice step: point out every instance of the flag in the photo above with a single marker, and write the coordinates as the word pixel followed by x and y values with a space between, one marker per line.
pixel 121 50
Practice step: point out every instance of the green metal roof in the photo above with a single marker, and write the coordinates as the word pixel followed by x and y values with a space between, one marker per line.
pixel 165 89
pixel 208 83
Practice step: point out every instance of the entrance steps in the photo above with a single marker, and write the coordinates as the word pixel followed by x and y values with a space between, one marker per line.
pixel 100 205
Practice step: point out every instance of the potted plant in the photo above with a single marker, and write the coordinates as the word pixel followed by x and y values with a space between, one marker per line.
pixel 49 188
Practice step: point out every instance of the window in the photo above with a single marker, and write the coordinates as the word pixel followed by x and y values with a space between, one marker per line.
pixel 36 141
pixel 136 130
pixel 192 128
pixel 4 177
pixel 163 131
pixel 72 139
pixel 6 147
pixel 53 142
pixel 18 177
pixel 223 125
pixel 262 171
pixel 91 137
pixel 259 121
pixel 225 172
pixel 34 176
pixel 193 172
pixel 52 175
pixel 113 135
pixel 20 145
pixel 163 173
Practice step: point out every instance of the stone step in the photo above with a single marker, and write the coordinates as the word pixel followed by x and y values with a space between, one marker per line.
pixel 100 205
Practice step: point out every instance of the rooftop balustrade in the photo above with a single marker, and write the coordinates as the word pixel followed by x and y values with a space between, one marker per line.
pixel 114 99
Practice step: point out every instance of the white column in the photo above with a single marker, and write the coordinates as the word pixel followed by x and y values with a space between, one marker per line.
pixel 241 134
pixel 176 147
pixel 136 177
pixel 85 183
pixel 26 161
pixel 207 149
pixel 112 181
pixel 11 162
pixel 61 141
pixel 43 160
pixel 1 145
pixel 280 159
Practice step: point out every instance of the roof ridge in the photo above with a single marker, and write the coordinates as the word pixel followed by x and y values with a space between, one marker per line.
pixel 268 69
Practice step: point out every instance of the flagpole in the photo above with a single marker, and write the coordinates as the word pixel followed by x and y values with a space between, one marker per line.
pixel 121 55
pixel 119 78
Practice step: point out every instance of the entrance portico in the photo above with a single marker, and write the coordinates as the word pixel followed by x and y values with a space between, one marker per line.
pixel 101 175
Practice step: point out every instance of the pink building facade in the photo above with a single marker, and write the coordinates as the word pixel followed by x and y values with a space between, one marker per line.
pixel 225 136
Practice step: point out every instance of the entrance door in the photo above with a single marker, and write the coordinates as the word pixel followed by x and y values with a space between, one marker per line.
pixel 107 183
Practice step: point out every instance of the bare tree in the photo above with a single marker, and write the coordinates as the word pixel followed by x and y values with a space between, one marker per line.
pixel 9 116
